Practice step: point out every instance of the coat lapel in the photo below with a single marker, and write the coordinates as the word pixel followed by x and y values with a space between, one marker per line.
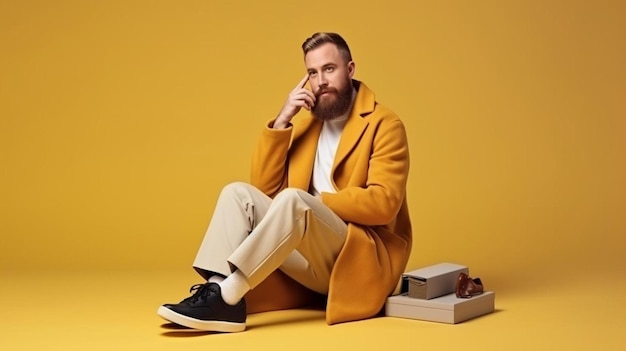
pixel 356 123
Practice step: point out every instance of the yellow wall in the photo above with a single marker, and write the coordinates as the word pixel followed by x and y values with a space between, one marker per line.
pixel 121 120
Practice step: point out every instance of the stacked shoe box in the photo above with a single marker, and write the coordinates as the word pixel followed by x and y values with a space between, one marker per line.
pixel 429 294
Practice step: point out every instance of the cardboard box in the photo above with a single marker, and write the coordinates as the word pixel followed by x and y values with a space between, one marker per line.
pixel 432 281
pixel 444 309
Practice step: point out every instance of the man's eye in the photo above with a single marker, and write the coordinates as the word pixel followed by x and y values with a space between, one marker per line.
pixel 329 69
pixel 311 74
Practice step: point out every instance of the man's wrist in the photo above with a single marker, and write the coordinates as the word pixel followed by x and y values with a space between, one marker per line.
pixel 279 125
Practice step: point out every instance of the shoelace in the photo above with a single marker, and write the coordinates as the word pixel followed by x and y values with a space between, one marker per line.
pixel 199 292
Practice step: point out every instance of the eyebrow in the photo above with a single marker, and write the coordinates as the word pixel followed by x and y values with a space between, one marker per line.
pixel 330 64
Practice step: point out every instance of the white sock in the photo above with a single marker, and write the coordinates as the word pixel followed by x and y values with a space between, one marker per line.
pixel 215 279
pixel 234 287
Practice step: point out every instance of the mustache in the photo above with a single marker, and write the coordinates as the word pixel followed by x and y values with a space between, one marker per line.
pixel 323 90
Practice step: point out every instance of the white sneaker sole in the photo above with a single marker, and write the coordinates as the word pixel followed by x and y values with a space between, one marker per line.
pixel 218 326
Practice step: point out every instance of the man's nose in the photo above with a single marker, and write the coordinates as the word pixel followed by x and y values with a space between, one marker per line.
pixel 321 80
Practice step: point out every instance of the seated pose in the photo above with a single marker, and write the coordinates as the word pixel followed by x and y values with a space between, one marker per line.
pixel 326 206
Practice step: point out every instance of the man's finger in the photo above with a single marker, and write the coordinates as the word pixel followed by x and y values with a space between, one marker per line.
pixel 303 82
pixel 304 93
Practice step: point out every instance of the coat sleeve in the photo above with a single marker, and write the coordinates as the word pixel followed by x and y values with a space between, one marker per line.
pixel 269 161
pixel 380 199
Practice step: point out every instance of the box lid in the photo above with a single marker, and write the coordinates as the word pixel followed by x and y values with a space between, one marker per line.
pixel 424 274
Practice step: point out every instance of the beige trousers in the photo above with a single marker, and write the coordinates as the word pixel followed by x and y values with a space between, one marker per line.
pixel 295 232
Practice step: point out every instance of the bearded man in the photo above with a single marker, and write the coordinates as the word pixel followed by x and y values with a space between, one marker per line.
pixel 325 210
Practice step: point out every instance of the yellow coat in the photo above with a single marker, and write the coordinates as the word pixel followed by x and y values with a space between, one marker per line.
pixel 370 172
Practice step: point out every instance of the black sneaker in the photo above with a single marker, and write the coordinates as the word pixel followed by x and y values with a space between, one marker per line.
pixel 206 310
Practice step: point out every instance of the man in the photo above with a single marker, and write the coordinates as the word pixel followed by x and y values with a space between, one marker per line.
pixel 326 204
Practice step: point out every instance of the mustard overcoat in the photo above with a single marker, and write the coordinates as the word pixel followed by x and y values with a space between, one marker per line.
pixel 369 173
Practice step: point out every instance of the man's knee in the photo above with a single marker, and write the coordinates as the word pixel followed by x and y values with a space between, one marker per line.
pixel 237 189
pixel 289 195
pixel 235 186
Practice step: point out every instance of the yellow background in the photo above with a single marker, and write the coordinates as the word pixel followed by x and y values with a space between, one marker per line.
pixel 120 121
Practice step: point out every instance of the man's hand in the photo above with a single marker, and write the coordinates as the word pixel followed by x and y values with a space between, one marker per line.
pixel 298 98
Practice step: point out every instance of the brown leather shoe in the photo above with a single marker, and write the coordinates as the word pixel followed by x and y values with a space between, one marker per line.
pixel 467 287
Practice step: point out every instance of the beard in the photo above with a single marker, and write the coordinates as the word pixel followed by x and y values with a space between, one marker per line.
pixel 334 104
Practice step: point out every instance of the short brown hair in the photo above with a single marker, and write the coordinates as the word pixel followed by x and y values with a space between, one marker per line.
pixel 317 39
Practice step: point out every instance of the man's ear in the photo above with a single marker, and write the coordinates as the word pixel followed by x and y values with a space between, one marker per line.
pixel 351 68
